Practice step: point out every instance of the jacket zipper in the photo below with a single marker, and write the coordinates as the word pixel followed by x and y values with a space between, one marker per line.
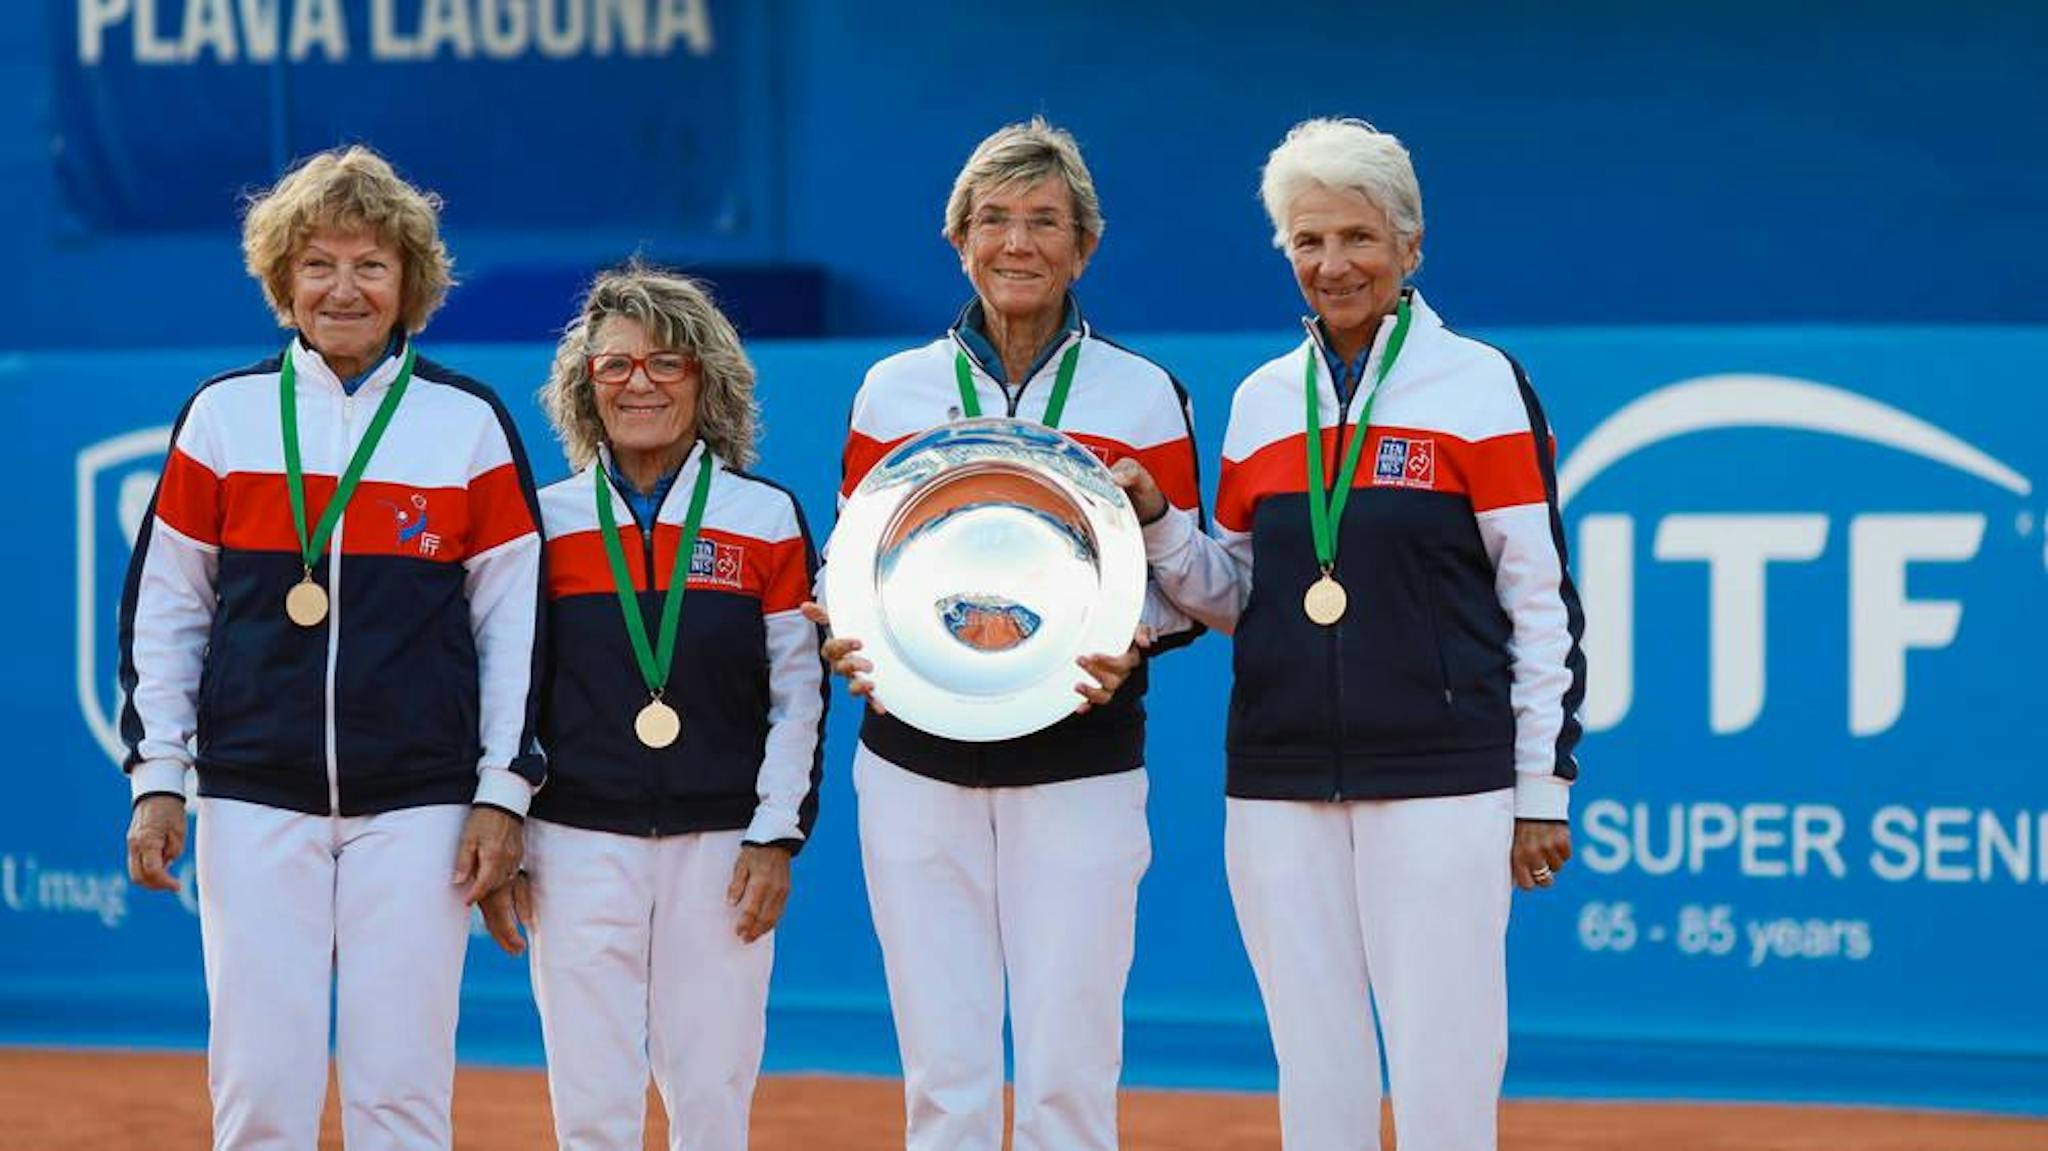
pixel 1336 630
pixel 1012 398
pixel 344 450
pixel 646 533
pixel 702 454
pixel 1051 361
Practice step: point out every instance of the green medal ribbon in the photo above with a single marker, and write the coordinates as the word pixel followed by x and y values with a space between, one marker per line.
pixel 311 546
pixel 1326 507
pixel 970 404
pixel 653 661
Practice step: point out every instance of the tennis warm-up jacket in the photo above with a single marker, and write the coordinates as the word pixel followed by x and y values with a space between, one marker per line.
pixel 746 678
pixel 1457 667
pixel 1120 405
pixel 420 685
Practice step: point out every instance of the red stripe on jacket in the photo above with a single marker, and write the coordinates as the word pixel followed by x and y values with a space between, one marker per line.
pixel 771 572
pixel 384 519
pixel 498 511
pixel 1497 472
pixel 1172 464
pixel 189 499
pixel 861 455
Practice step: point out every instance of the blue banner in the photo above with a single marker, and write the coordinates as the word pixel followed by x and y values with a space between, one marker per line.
pixel 522 114
pixel 1812 830
pixel 1814 818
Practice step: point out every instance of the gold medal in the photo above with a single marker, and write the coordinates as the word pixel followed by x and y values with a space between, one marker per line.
pixel 306 603
pixel 657 725
pixel 1325 601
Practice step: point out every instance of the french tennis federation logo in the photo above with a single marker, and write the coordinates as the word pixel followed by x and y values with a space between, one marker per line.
pixel 410 522
pixel 1405 461
pixel 718 563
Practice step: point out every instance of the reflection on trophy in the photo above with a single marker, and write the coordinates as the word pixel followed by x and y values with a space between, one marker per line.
pixel 977 562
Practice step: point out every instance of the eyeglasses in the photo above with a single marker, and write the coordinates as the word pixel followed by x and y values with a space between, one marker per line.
pixel 993 222
pixel 661 367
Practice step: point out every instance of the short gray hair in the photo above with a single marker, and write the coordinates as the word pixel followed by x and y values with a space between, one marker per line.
pixel 1021 154
pixel 678 313
pixel 1343 154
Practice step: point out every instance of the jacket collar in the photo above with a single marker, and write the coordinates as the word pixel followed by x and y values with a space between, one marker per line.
pixel 311 366
pixel 970 333
pixel 700 455
pixel 1421 318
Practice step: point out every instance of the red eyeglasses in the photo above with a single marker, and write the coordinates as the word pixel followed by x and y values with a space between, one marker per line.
pixel 661 367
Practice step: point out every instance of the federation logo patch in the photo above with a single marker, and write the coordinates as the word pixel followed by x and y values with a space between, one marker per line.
pixel 410 522
pixel 1407 462
pixel 717 563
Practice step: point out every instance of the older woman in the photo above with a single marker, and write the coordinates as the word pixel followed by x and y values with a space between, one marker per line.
pixel 1407 670
pixel 337 596
pixel 683 717
pixel 1020 858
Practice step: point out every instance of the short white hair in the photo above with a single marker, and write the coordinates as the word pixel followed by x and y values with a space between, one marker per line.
pixel 1343 154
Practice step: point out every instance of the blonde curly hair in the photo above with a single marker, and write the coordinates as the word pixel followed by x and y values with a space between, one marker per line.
pixel 354 190
pixel 679 313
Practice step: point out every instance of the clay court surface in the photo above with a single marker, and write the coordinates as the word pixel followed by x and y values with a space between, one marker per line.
pixel 71 1101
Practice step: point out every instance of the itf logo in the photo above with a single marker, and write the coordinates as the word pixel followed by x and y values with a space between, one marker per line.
pixel 1743 551
pixel 115 479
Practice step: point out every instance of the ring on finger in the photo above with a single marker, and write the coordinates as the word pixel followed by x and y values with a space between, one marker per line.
pixel 1541 875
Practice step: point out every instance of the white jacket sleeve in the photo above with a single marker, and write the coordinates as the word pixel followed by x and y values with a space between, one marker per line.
pixel 796 729
pixel 791 763
pixel 168 609
pixel 1524 538
pixel 174 608
pixel 1530 583
pixel 1208 578
pixel 502 580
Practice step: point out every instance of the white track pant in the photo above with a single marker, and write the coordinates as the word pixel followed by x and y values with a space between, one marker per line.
pixel 1405 901
pixel 968 884
pixel 636 966
pixel 294 907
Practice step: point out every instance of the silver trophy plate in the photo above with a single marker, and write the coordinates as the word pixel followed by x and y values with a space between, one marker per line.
pixel 975 563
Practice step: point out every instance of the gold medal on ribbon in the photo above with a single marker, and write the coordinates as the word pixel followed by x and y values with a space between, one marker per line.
pixel 1325 601
pixel 657 725
pixel 306 603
